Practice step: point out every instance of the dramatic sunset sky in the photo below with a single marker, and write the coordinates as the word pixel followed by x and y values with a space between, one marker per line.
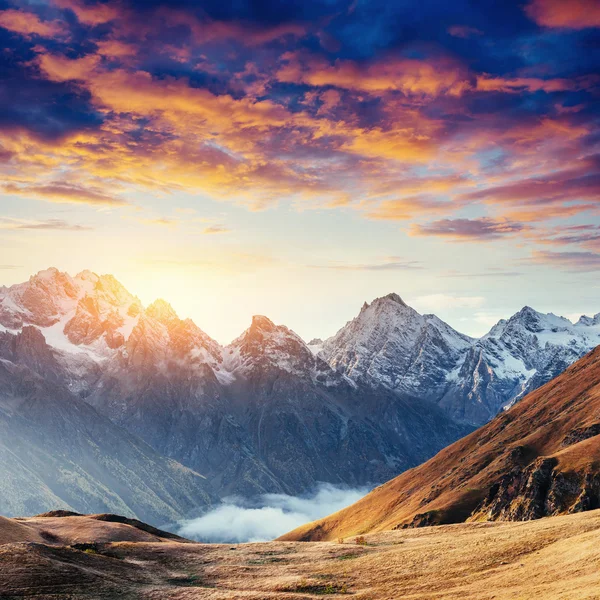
pixel 295 158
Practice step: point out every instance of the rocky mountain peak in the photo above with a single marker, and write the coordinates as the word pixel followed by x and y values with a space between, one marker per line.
pixel 47 274
pixel 393 297
pixel 586 321
pixel 265 343
pixel 389 299
pixel 262 323
pixel 87 275
pixel 162 311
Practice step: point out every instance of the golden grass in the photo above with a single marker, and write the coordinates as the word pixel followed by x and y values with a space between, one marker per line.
pixel 556 558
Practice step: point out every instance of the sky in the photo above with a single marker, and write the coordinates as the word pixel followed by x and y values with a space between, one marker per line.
pixel 297 158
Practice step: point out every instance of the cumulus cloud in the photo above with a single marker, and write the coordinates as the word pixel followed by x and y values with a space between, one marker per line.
pixel 239 520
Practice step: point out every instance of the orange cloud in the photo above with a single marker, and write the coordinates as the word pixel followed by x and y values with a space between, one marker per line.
pixel 217 143
pixel 116 49
pixel 574 14
pixel 410 76
pixel 165 134
pixel 63 192
pixel 61 68
pixel 29 24
pixel 403 209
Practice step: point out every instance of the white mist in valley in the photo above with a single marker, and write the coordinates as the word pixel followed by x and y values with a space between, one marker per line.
pixel 268 516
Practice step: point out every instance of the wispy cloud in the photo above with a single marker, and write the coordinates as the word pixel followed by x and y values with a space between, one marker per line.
pixel 392 263
pixel 215 229
pixel 64 192
pixel 464 31
pixel 492 272
pixel 567 261
pixel 161 222
pixel 46 225
pixel 469 229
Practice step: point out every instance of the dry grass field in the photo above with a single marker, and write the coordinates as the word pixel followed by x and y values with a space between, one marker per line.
pixel 552 558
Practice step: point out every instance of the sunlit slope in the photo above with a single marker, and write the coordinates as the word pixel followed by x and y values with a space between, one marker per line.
pixel 540 458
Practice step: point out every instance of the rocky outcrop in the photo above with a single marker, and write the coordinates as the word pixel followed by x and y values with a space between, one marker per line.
pixel 520 495
pixel 540 491
pixel 580 434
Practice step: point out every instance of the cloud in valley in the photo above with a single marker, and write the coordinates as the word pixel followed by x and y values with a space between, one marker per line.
pixel 264 518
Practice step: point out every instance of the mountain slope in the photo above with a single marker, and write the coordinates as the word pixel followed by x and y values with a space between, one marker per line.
pixel 57 451
pixel 540 458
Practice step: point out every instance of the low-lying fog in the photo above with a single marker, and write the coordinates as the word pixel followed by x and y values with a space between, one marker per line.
pixel 268 516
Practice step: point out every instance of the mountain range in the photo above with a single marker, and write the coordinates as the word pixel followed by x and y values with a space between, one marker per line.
pixel 266 413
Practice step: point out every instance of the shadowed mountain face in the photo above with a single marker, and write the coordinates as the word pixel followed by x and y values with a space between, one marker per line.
pixel 267 415
pixel 57 451
pixel 540 458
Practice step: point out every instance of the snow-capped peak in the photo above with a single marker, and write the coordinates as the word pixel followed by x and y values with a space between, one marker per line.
pixel 265 346
pixel 389 341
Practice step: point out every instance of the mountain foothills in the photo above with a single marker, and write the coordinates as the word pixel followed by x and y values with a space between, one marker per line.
pixel 541 458
pixel 97 387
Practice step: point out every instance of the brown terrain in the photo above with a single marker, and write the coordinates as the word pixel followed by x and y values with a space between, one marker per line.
pixel 83 557
pixel 540 458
